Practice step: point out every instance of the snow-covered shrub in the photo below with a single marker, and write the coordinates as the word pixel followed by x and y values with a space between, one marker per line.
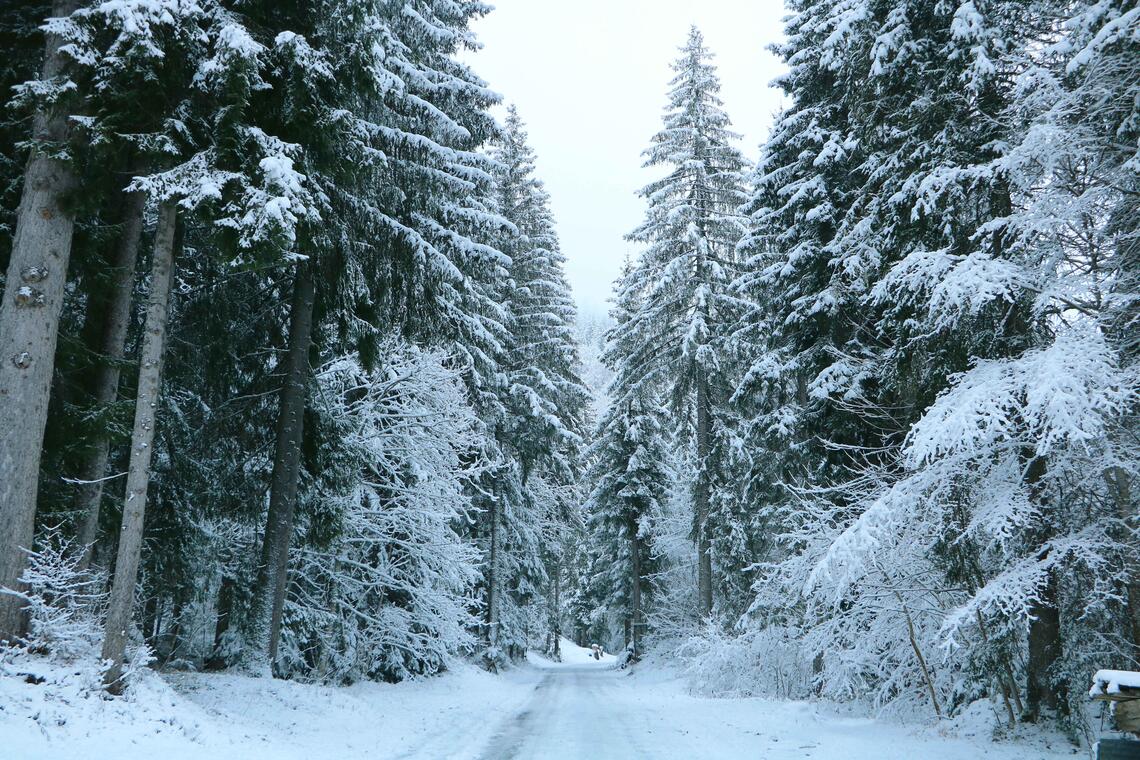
pixel 66 606
pixel 381 585
pixel 766 662
pixel 65 602
pixel 673 616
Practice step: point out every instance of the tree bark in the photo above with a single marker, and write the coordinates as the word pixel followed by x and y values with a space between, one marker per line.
pixel 142 447
pixel 286 466
pixel 1041 692
pixel 217 660
pixel 704 449
pixel 1121 488
pixel 635 593
pixel 492 577
pixel 556 627
pixel 1045 649
pixel 105 388
pixel 29 327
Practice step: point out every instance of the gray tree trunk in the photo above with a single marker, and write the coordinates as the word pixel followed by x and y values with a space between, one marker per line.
pixel 1121 487
pixel 142 447
pixel 112 346
pixel 704 449
pixel 556 627
pixel 286 467
pixel 635 593
pixel 491 614
pixel 29 326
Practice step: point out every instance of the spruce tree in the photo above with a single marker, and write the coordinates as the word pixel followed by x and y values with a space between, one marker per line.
pixel 29 313
pixel 690 232
pixel 544 410
pixel 630 473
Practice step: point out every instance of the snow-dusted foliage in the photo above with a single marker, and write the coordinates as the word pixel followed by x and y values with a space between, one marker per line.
pixel 65 602
pixel 66 606
pixel 941 388
pixel 680 285
pixel 386 595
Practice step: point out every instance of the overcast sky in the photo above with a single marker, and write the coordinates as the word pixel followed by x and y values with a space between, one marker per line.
pixel 590 78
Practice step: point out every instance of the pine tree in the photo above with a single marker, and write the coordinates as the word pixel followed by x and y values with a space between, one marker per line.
pixel 388 124
pixel 543 413
pixel 630 472
pixel 29 314
pixel 691 231
pixel 550 397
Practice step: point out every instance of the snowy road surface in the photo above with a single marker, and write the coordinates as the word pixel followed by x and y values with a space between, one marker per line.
pixel 579 708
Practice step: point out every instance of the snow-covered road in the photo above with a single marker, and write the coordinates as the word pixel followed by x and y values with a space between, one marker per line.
pixel 579 708
pixel 574 713
pixel 592 711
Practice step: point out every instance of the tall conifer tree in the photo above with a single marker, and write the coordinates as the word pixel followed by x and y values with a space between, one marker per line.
pixel 690 232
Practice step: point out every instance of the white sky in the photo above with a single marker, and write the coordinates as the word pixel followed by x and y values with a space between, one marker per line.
pixel 590 78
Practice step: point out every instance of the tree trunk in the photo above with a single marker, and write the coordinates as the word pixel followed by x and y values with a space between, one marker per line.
pixel 142 447
pixel 1045 650
pixel 492 577
pixel 635 593
pixel 112 346
pixel 1121 488
pixel 286 466
pixel 217 659
pixel 704 449
pixel 1042 692
pixel 556 627
pixel 29 327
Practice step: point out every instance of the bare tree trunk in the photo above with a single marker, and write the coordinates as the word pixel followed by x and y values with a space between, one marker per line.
pixel 286 466
pixel 635 593
pixel 1045 649
pixel 1041 692
pixel 556 632
pixel 29 327
pixel 217 660
pixel 491 614
pixel 1121 488
pixel 918 656
pixel 142 447
pixel 704 449
pixel 112 346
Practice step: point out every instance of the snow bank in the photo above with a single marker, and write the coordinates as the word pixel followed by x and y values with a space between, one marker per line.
pixel 675 673
pixel 190 716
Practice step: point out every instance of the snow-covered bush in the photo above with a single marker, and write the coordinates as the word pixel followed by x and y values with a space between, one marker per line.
pixel 65 602
pixel 769 662
pixel 66 605
pixel 381 588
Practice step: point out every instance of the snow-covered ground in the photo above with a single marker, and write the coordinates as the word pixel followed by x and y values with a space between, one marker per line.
pixel 579 708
